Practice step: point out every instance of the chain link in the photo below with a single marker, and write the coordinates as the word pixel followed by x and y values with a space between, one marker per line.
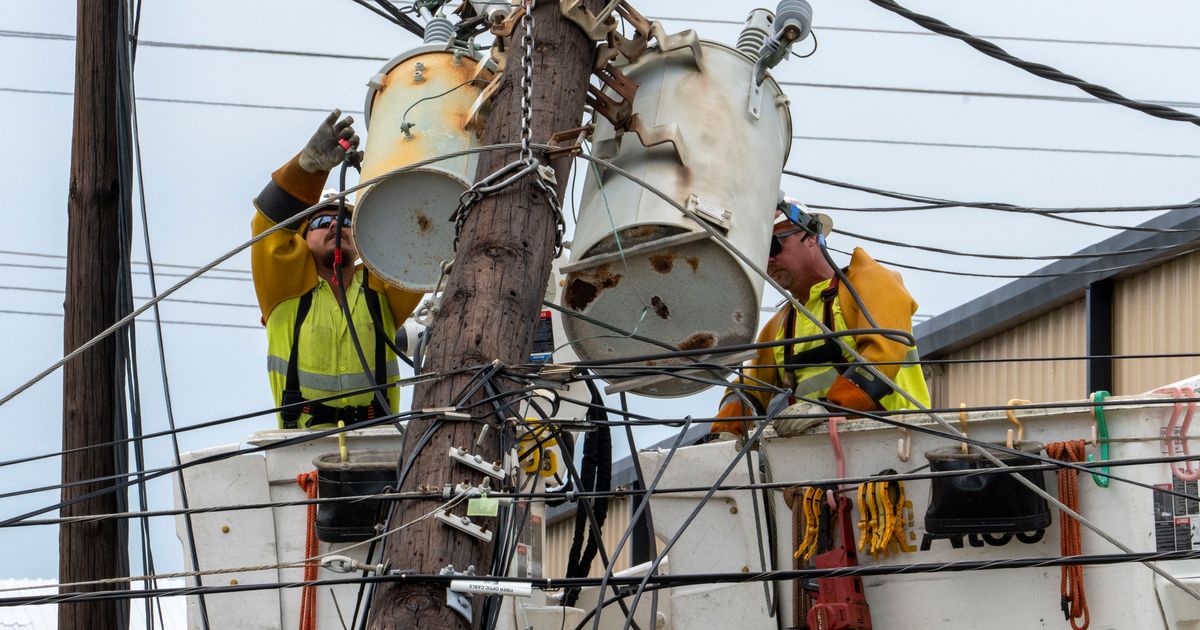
pixel 526 165
pixel 527 82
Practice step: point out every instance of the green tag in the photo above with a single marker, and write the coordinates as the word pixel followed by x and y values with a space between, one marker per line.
pixel 483 506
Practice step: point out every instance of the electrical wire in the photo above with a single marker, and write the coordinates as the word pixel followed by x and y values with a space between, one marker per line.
pixel 937 203
pixel 1036 69
pixel 1048 274
pixel 164 321
pixel 660 581
pixel 548 497
pixel 222 258
pixel 972 93
pixel 724 242
pixel 882 31
pixel 999 147
pixel 952 252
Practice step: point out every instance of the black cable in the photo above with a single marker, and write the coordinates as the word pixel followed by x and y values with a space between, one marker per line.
pixel 973 93
pixel 340 283
pixel 1084 272
pixel 306 437
pixel 937 202
pixel 777 405
pixel 899 336
pixel 642 508
pixel 1036 69
pixel 404 21
pixel 660 581
pixel 952 252
pixel 635 493
pixel 189 529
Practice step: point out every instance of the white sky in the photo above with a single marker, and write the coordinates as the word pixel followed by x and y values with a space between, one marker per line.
pixel 204 163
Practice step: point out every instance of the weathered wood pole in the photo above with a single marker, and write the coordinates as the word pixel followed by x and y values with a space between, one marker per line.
pixel 492 300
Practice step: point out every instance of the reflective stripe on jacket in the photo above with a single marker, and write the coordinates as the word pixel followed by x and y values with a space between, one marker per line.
pixel 327 361
pixel 814 382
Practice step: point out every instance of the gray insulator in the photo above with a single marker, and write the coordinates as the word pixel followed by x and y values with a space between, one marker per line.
pixel 756 32
pixel 439 30
pixel 797 12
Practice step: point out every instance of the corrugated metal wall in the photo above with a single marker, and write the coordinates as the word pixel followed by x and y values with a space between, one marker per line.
pixel 558 541
pixel 1057 333
pixel 1156 312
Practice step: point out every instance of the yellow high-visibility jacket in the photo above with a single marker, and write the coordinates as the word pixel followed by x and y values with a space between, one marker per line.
pixel 284 272
pixel 882 291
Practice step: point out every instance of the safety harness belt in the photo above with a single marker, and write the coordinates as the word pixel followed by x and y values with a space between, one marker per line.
pixel 320 412
pixel 827 352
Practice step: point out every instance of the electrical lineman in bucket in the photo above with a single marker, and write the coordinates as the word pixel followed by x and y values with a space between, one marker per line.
pixel 310 351
pixel 800 263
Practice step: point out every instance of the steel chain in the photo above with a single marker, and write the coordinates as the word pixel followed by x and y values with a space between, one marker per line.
pixel 527 82
pixel 526 165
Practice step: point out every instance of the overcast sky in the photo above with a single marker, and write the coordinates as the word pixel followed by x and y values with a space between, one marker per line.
pixel 205 162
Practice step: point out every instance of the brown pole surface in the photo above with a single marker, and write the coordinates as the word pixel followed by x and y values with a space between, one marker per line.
pixel 92 551
pixel 491 303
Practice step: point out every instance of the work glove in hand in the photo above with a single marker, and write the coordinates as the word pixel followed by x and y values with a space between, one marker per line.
pixel 323 153
pixel 732 409
pixel 846 393
pixel 786 426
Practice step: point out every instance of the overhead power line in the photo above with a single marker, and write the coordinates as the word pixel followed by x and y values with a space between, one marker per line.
pixel 165 321
pixel 178 300
pixel 1037 69
pixel 813 138
pixel 976 93
pixel 10 252
pixel 1010 38
pixel 207 47
pixel 998 147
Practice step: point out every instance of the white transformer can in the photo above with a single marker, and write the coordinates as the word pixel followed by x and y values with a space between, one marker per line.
pixel 637 262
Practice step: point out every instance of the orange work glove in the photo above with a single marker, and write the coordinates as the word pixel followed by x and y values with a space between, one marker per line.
pixel 846 394
pixel 733 409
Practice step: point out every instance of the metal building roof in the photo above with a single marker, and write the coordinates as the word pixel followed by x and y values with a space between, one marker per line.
pixel 1025 298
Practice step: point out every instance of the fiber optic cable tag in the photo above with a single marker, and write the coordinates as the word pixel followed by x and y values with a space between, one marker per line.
pixel 483 506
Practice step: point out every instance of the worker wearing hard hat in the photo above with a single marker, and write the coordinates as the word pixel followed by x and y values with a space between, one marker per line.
pixel 310 353
pixel 818 370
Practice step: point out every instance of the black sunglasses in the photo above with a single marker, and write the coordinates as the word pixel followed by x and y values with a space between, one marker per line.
pixel 777 240
pixel 326 220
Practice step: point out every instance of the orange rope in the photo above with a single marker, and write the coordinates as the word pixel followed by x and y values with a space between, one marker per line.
pixel 1074 599
pixel 308 595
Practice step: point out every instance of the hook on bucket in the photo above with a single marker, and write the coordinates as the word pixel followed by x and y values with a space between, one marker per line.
pixel 904 446
pixel 1012 417
pixel 838 456
pixel 1100 427
pixel 962 426
pixel 1186 472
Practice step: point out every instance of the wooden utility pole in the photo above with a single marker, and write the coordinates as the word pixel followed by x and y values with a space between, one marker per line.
pixel 91 382
pixel 491 303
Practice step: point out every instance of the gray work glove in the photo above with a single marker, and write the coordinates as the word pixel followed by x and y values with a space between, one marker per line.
pixel 323 152
pixel 787 427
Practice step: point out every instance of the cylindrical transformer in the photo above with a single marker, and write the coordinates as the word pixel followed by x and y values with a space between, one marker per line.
pixel 637 262
pixel 417 108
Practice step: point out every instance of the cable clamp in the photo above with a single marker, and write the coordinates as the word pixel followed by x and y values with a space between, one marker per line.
pixel 346 564
pixel 459 602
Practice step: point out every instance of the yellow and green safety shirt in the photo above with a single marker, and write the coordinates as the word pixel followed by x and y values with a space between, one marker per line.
pixel 285 278
pixel 882 291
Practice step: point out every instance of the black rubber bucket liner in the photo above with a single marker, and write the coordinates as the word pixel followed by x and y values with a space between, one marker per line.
pixel 993 503
pixel 367 473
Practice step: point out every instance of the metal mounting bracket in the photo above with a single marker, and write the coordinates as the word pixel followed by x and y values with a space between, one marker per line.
pixel 464 525
pixel 464 457
pixel 459 602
